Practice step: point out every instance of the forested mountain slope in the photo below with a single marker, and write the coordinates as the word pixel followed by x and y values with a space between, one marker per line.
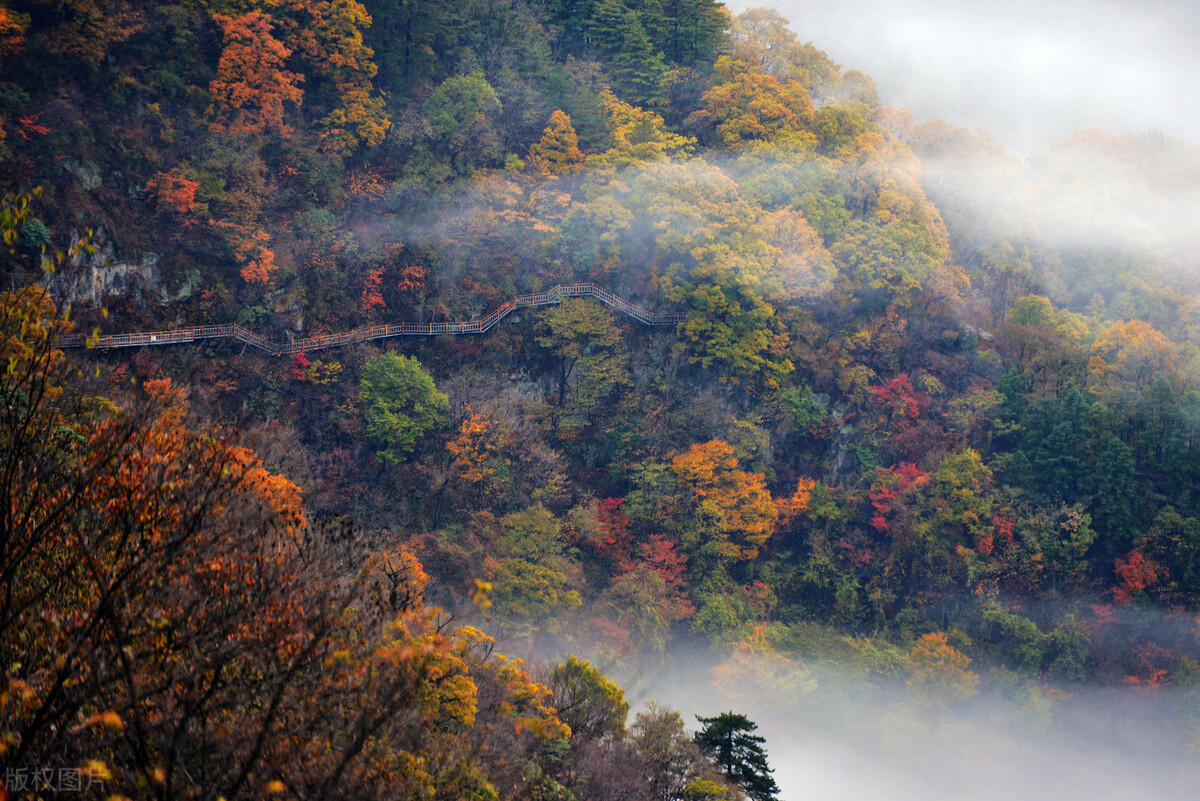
pixel 931 414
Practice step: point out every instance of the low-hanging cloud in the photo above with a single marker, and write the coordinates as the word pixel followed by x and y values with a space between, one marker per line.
pixel 1030 72
pixel 1133 198
pixel 843 739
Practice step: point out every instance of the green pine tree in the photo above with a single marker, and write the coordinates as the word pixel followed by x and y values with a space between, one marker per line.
pixel 695 31
pixel 730 740
pixel 627 52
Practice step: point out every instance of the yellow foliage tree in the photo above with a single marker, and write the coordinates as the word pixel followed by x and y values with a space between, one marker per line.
pixel 756 670
pixel 332 41
pixel 1131 354
pixel 737 502
pixel 747 106
pixel 558 150
pixel 939 670
pixel 637 135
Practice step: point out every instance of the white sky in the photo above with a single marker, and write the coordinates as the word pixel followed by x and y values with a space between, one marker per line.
pixel 1030 71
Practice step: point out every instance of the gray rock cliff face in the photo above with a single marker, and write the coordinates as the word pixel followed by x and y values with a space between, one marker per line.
pixel 87 281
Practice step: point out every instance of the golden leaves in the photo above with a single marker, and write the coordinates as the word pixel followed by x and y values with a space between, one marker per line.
pixel 747 105
pixel 558 150
pixel 939 668
pixel 797 504
pixel 737 501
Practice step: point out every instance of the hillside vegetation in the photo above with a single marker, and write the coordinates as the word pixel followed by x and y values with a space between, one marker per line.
pixel 932 416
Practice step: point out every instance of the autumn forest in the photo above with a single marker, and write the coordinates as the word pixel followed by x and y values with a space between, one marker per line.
pixel 924 427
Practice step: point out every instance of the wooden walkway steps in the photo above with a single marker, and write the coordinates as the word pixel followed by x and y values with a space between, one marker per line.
pixel 553 296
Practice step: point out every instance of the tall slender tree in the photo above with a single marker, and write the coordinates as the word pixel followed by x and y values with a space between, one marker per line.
pixel 730 741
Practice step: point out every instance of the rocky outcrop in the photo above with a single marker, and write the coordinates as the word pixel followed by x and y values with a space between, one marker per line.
pixel 87 281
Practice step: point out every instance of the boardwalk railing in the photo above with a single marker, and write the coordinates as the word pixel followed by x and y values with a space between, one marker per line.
pixel 549 298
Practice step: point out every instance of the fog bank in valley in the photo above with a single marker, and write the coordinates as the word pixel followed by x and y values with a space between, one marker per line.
pixel 1030 72
pixel 836 739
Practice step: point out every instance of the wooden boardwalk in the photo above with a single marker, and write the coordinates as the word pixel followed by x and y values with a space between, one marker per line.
pixel 551 297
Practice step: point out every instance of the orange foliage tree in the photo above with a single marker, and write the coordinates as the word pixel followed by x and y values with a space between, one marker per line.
pixel 1135 573
pixel 174 190
pixel 248 243
pixel 252 86
pixel 171 622
pixel 372 294
pixel 735 501
pixel 472 450
pixel 791 508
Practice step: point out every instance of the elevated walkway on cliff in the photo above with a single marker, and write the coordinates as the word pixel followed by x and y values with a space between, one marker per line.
pixel 554 296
